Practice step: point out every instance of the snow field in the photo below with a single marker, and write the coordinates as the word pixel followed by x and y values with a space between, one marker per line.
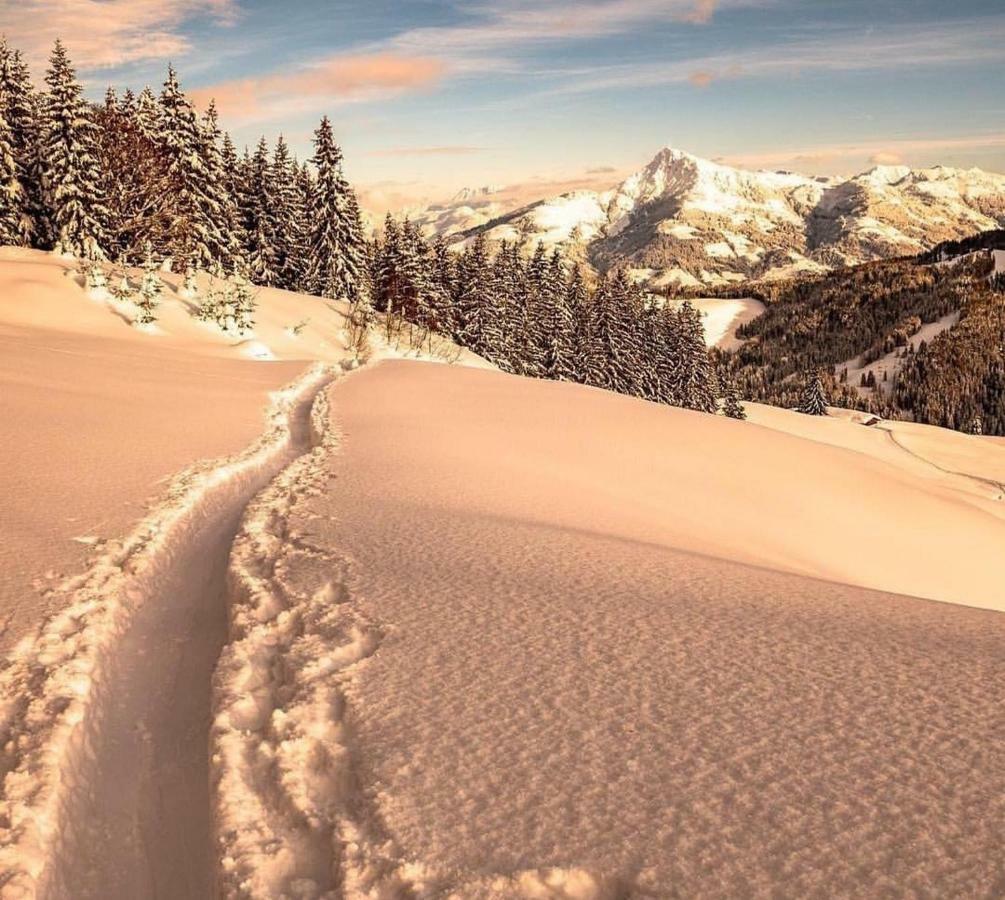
pixel 579 691
pixel 62 692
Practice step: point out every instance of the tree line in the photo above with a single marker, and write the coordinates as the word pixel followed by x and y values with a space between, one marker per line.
pixel 540 316
pixel 109 181
pixel 143 178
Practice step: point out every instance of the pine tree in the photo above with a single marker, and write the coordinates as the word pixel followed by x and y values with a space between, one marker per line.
pixel 70 176
pixel 287 214
pixel 21 186
pixel 814 402
pixel 12 198
pixel 560 324
pixel 732 407
pixel 223 208
pixel 696 378
pixel 196 213
pixel 262 227
pixel 473 295
pixel 336 260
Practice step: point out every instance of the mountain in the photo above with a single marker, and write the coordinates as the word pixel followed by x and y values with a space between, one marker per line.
pixel 687 221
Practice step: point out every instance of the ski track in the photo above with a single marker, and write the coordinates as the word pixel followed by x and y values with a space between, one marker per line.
pixel 996 486
pixel 104 713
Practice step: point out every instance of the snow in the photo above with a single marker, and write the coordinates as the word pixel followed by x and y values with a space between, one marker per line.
pixel 512 675
pixel 453 655
pixel 114 608
pixel 722 317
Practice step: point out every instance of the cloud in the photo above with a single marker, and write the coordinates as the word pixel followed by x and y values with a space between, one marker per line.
pixel 853 156
pixel 335 79
pixel 105 33
pixel 923 47
pixel 886 158
pixel 601 170
pixel 519 24
pixel 701 13
pixel 428 151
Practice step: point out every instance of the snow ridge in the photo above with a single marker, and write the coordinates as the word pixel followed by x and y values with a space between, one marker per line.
pixel 53 687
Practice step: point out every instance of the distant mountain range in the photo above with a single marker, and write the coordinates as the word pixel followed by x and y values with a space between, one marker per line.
pixel 690 222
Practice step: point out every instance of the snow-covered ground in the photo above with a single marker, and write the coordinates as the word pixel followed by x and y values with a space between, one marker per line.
pixel 723 316
pixel 545 641
pixel 473 635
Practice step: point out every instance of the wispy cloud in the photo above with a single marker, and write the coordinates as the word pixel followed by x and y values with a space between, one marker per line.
pixel 922 46
pixel 322 82
pixel 881 152
pixel 428 151
pixel 518 25
pixel 104 33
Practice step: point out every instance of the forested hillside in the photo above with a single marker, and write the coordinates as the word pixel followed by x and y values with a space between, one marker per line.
pixel 874 313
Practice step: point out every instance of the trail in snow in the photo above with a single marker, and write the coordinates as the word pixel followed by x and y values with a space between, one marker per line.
pixel 106 713
pixel 979 479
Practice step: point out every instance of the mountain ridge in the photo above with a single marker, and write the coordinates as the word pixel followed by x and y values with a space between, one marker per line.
pixel 684 221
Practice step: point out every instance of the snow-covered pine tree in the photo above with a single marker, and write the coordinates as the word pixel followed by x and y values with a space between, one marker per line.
pixel 333 269
pixel 71 180
pixel 473 294
pixel 13 202
pixel 262 227
pixel 390 289
pixel 298 241
pixel 151 288
pixel 696 386
pixel 415 275
pixel 121 288
pixel 732 407
pixel 223 210
pixel 814 402
pixel 19 110
pixel 195 207
pixel 148 116
pixel 286 214
pixel 135 179
pixel 567 317
pixel 442 279
pixel 623 335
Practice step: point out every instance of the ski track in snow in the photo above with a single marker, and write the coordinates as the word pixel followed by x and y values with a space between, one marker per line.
pixel 104 714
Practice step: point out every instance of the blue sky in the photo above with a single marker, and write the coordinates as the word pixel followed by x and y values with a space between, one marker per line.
pixel 429 96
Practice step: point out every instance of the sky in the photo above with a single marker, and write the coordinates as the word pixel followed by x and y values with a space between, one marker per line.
pixel 431 96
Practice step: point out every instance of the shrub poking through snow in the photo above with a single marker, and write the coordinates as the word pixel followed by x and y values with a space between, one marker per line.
pixel 189 285
pixel 95 281
pixel 151 288
pixel 242 304
pixel 121 290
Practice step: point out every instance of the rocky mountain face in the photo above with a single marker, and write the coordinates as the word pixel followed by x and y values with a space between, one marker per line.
pixel 687 221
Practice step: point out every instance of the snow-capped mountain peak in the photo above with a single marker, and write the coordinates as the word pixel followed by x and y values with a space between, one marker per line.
pixel 685 220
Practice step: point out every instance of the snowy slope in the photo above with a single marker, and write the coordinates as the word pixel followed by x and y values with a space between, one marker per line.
pixel 545 641
pixel 114 608
pixel 685 220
